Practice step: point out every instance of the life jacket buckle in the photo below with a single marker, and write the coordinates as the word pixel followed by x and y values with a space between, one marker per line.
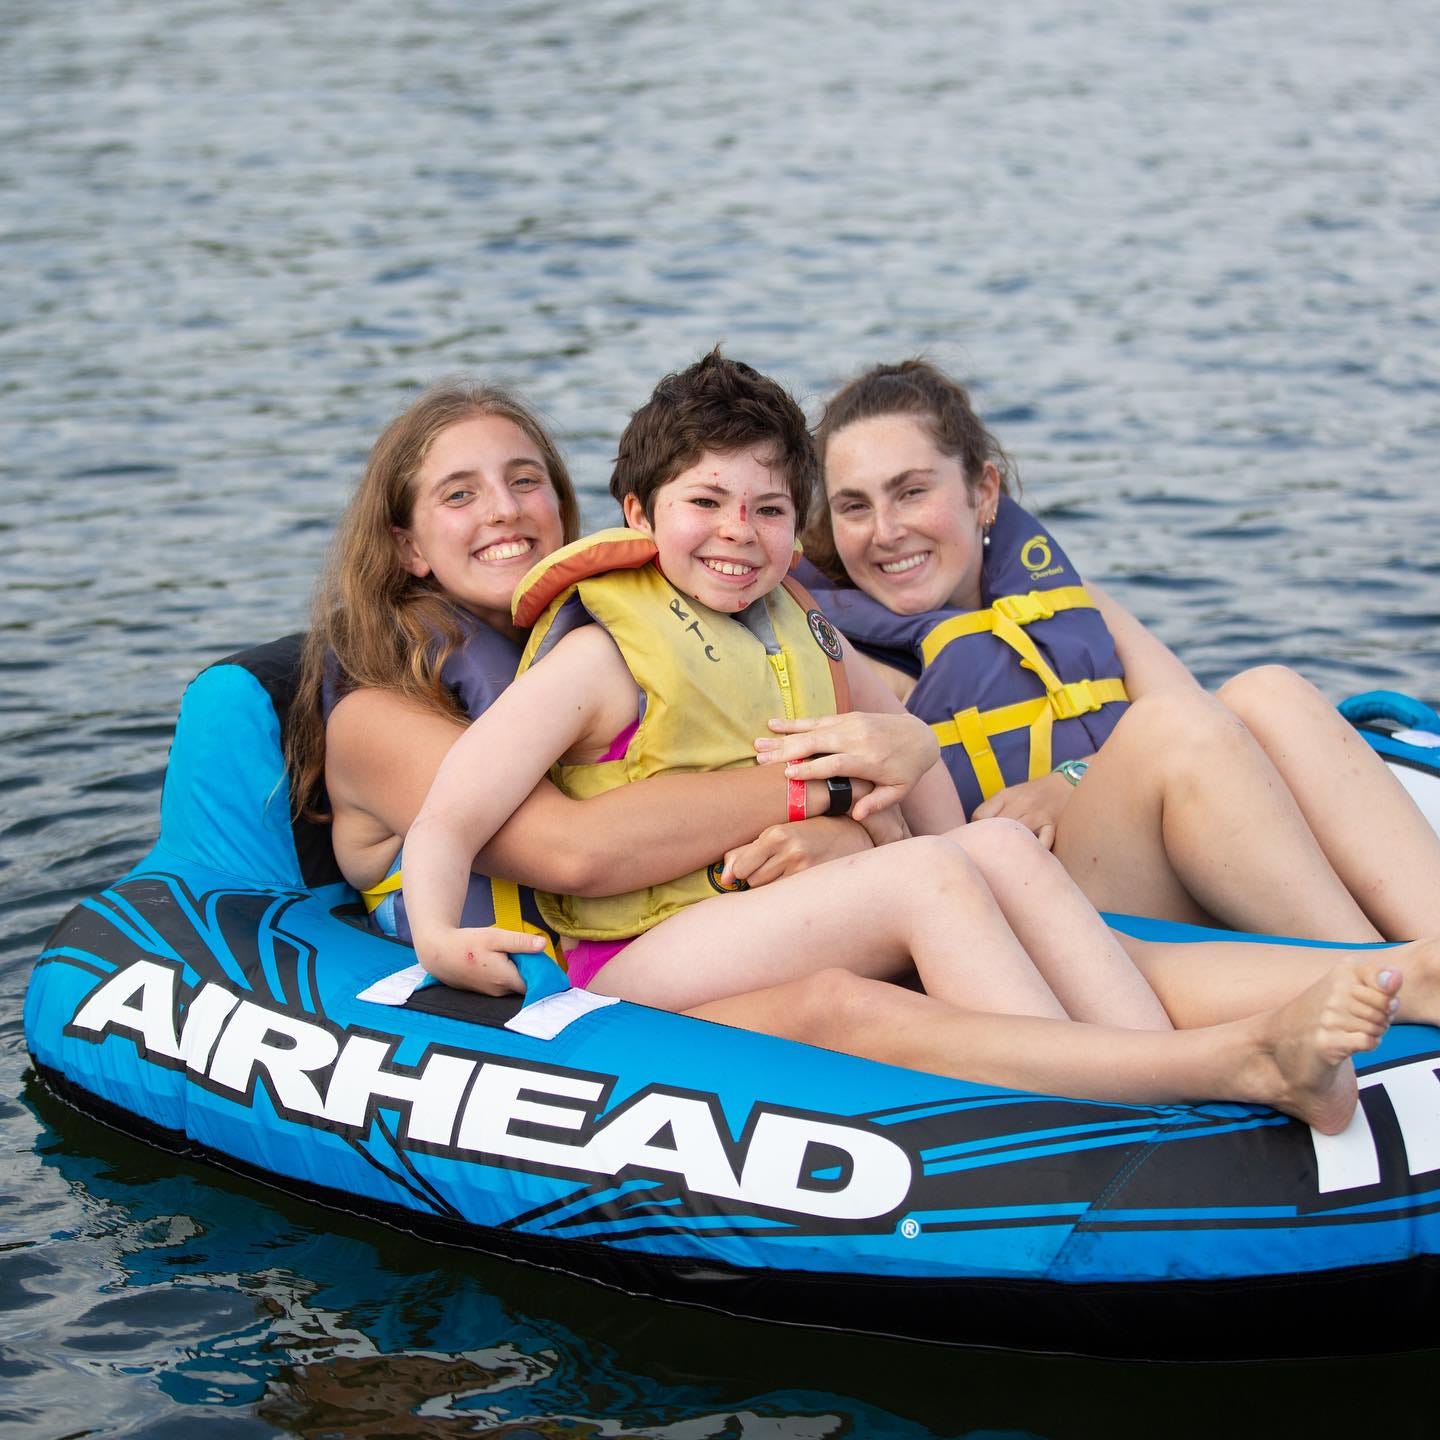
pixel 1074 699
pixel 1023 609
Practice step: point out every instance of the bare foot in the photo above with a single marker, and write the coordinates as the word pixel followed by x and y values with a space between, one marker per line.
pixel 1303 1063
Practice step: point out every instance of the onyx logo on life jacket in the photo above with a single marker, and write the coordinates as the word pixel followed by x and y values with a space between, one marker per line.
pixel 478 1106
pixel 682 614
pixel 713 873
pixel 826 636
pixel 1036 557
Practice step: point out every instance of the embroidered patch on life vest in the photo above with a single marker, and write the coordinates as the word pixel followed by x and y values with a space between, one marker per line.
pixel 826 636
pixel 1037 556
pixel 713 876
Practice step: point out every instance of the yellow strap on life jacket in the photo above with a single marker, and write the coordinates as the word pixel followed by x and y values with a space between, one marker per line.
pixel 973 728
pixel 508 916
pixel 504 896
pixel 1005 619
pixel 969 729
pixel 1018 609
pixel 377 892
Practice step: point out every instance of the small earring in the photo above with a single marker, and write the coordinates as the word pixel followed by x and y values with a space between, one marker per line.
pixel 985 536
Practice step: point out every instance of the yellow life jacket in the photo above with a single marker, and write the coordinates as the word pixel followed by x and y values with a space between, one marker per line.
pixel 709 682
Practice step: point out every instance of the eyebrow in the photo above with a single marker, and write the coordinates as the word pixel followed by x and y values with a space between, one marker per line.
pixel 471 473
pixel 450 479
pixel 759 499
pixel 892 484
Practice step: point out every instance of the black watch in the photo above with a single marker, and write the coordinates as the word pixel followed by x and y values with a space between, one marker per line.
pixel 841 795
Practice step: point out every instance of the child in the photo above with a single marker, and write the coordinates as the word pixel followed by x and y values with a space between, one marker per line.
pixel 696 641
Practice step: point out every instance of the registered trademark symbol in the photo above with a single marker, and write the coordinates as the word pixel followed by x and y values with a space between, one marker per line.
pixel 909 1228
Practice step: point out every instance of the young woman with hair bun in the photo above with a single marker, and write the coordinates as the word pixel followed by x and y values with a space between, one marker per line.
pixel 1258 808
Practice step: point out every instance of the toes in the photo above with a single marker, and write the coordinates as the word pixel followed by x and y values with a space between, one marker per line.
pixel 1373 1010
pixel 1374 994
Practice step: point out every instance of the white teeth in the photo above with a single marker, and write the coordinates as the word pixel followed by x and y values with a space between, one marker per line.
pixel 728 567
pixel 505 550
pixel 899 567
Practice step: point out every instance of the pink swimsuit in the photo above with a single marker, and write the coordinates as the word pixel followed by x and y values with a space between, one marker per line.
pixel 585 959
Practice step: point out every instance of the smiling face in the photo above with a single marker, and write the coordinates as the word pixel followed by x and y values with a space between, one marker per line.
pixel 484 511
pixel 908 527
pixel 724 527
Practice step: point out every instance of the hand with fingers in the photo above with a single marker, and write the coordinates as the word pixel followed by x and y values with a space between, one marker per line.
pixel 886 826
pixel 788 849
pixel 1036 804
pixel 890 751
pixel 478 959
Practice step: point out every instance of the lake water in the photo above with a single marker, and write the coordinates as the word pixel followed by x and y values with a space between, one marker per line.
pixel 1187 255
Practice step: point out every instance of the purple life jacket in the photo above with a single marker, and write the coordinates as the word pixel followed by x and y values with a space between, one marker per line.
pixel 1012 689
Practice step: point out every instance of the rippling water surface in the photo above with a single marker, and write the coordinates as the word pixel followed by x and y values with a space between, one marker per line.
pixel 1185 252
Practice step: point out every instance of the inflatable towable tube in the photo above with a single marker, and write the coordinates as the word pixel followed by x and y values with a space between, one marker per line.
pixel 211 1002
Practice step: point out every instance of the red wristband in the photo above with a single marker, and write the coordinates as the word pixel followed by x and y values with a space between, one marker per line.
pixel 795 805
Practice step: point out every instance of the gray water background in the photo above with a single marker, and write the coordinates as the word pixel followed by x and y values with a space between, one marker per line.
pixel 1186 254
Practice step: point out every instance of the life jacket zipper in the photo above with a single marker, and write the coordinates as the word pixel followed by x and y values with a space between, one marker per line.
pixel 782 674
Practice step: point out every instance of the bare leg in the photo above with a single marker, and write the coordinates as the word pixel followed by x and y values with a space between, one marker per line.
pixel 1371 832
pixel 1079 956
pixel 1207 982
pixel 1295 1058
pixel 1183 816
pixel 918 903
